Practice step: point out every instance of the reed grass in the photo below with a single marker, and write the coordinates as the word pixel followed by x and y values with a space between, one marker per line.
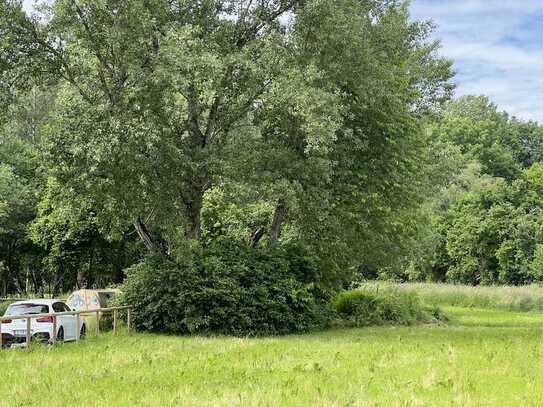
pixel 510 298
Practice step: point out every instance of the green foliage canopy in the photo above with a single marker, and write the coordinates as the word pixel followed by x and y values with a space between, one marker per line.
pixel 280 120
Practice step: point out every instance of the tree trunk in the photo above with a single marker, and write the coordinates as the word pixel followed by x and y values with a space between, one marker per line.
pixel 80 278
pixel 194 202
pixel 4 287
pixel 59 280
pixel 145 236
pixel 88 277
pixel 27 281
pixel 9 271
pixel 256 236
pixel 278 217
pixel 121 255
pixel 35 282
pixel 194 209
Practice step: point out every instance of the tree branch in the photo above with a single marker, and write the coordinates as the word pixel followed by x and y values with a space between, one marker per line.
pixel 68 74
pixel 250 32
pixel 212 120
pixel 103 65
pixel 145 236
pixel 193 122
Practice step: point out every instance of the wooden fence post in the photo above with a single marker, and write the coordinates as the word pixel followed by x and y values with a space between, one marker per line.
pixel 54 338
pixel 28 332
pixel 1 344
pixel 97 322
pixel 77 327
pixel 128 319
pixel 114 321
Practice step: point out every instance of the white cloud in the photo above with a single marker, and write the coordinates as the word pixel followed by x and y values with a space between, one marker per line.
pixel 28 5
pixel 496 47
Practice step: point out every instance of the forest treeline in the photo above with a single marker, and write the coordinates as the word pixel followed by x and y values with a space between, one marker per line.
pixel 317 139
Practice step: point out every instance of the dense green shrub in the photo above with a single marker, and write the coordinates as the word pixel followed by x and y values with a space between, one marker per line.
pixel 3 307
pixel 364 307
pixel 226 288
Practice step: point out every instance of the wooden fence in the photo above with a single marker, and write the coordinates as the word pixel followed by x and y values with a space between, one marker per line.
pixel 97 312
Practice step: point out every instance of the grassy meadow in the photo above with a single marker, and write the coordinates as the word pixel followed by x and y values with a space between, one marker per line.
pixel 481 357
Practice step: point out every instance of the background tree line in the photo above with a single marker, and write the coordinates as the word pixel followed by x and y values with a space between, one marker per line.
pixel 181 134
pixel 484 226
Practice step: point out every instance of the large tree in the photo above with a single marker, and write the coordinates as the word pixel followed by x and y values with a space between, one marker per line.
pixel 307 111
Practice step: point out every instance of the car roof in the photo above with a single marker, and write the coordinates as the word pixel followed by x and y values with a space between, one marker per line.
pixel 38 301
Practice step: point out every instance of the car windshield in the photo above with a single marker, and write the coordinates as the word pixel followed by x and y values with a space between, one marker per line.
pixel 26 309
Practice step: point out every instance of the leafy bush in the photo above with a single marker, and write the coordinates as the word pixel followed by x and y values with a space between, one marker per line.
pixel 365 307
pixel 226 288
pixel 3 307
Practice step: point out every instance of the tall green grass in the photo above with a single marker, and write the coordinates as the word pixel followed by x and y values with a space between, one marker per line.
pixel 522 298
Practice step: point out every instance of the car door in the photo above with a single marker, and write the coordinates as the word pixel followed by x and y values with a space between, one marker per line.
pixel 67 322
pixel 70 322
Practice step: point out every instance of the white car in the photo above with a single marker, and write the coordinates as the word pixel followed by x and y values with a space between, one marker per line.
pixel 14 331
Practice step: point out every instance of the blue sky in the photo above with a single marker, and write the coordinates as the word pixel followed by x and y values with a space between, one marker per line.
pixel 497 46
